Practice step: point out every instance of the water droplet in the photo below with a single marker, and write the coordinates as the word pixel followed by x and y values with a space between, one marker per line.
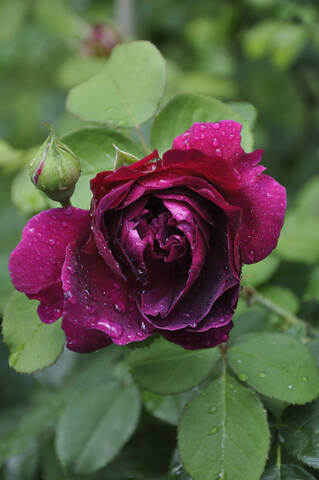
pixel 216 126
pixel 261 375
pixel 218 152
pixel 120 307
pixel 215 142
pixel 242 377
pixel 52 241
pixel 31 230
pixel 117 286
pixel 239 361
pixel 213 431
pixel 212 409
pixel 202 128
pixel 290 387
pixel 113 330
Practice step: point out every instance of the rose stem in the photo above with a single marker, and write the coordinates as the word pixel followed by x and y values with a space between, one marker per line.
pixel 252 296
pixel 142 140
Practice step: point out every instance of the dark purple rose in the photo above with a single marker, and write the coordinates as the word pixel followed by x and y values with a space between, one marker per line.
pixel 161 249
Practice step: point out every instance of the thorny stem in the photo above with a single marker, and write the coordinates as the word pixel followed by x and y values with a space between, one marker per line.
pixel 142 140
pixel 252 296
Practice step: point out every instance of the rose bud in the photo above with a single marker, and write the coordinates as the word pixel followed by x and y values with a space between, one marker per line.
pixel 55 170
pixel 161 249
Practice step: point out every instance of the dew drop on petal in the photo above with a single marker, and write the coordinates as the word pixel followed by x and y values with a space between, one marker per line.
pixel 120 307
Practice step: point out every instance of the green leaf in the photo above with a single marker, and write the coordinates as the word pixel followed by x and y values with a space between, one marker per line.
pixel 223 433
pixel 165 367
pixel 94 148
pixel 95 425
pixel 282 296
pixel 301 433
pixel 299 239
pixel 37 419
pixel 122 94
pixel 246 110
pixel 181 112
pixel 312 290
pixel 95 152
pixel 25 196
pixel 308 198
pixel 32 343
pixel 276 365
pixel 260 272
pixel 24 465
pixel 287 472
pixel 176 469
pixel 166 407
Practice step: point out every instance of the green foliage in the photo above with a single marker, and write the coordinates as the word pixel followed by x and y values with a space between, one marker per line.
pixel 181 112
pixel 120 94
pixel 300 433
pixel 165 367
pixel 33 345
pixel 80 418
pixel 109 414
pixel 276 365
pixel 223 433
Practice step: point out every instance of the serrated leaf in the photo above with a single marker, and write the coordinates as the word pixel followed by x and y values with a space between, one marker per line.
pixel 181 112
pixel 126 92
pixel 223 433
pixel 33 344
pixel 95 425
pixel 276 365
pixel 166 368
pixel 300 432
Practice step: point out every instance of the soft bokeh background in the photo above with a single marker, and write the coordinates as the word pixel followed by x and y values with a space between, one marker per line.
pixel 265 52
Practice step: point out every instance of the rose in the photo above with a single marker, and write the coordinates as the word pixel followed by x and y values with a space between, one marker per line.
pixel 161 249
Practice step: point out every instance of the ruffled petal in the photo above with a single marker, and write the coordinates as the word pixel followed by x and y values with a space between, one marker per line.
pixel 95 299
pixel 238 177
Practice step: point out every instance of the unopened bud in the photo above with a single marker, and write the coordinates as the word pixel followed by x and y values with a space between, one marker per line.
pixel 55 170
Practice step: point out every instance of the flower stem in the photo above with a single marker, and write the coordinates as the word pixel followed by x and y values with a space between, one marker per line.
pixel 252 296
pixel 142 140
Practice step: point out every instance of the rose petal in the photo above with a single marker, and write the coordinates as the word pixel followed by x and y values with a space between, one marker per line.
pixel 35 264
pixel 261 198
pixel 96 299
pixel 195 341
pixel 220 139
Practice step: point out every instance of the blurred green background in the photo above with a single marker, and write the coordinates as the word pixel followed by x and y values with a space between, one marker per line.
pixel 264 53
